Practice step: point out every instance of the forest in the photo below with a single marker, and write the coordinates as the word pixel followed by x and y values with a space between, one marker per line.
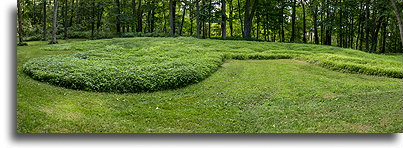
pixel 366 25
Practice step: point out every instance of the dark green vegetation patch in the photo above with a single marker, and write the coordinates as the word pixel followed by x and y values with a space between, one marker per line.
pixel 150 64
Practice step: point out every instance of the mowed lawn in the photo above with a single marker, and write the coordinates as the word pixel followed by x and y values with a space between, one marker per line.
pixel 243 96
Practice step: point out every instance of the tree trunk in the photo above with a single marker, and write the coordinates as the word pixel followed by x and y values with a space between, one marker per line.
pixel 54 29
pixel 322 28
pixel 183 19
pixel 340 43
pixel 164 29
pixel 153 17
pixel 359 32
pixel 203 29
pixel 92 19
pixel 122 13
pixel 231 17
pixel 224 20
pixel 351 31
pixel 172 4
pixel 367 26
pixel 265 34
pixel 99 17
pixel 148 27
pixel 376 28
pixel 328 39
pixel 191 20
pixel 140 18
pixel 399 20
pixel 240 17
pixel 198 19
pixel 248 18
pixel 304 21
pixel 65 19
pixel 20 29
pixel 257 28
pixel 118 16
pixel 44 21
pixel 384 32
pixel 204 32
pixel 292 39
pixel 72 14
pixel 282 39
pixel 78 7
pixel 315 25
pixel 133 13
pixel 209 21
pixel 361 37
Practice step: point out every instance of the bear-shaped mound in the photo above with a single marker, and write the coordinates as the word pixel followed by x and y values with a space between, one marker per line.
pixel 124 70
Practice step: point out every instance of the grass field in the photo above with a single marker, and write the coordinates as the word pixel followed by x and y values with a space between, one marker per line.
pixel 302 89
pixel 127 65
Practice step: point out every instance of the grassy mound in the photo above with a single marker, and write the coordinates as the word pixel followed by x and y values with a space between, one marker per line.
pixel 121 70
pixel 150 64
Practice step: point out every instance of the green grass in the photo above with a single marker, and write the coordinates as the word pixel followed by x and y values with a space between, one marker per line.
pixel 150 64
pixel 252 96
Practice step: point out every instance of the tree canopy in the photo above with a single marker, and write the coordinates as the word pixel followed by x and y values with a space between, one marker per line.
pixel 367 25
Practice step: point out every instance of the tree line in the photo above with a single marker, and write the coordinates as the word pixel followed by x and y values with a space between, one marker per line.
pixel 367 25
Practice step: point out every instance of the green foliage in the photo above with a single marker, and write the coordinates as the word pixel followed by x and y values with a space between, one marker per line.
pixel 141 34
pixel 360 65
pixel 248 96
pixel 116 69
pixel 150 64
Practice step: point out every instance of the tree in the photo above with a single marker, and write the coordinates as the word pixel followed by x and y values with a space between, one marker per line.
pixel 198 27
pixel 224 20
pixel 139 18
pixel 240 18
pixel 191 17
pixel 315 22
pixel 44 21
pixel 384 33
pixel 293 14
pixel 133 12
pixel 281 14
pixel 54 29
pixel 304 21
pixel 378 17
pixel 92 19
pixel 249 13
pixel 72 13
pixel 172 5
pixel 399 19
pixel 210 7
pixel 20 29
pixel 340 37
pixel 231 18
pixel 366 25
pixel 118 16
pixel 183 19
pixel 65 18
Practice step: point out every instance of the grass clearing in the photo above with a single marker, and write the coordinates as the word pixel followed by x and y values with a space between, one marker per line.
pixel 149 64
pixel 242 96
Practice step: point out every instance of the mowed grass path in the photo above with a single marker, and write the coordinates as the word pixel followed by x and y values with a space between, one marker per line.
pixel 252 96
